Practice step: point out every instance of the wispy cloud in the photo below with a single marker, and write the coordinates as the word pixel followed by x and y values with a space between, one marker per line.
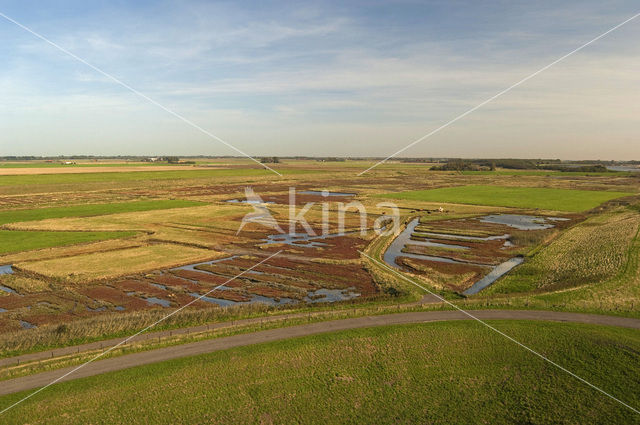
pixel 371 74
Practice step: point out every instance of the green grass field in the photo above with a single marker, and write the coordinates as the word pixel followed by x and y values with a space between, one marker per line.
pixel 17 241
pixel 519 197
pixel 87 210
pixel 440 373
pixel 80 178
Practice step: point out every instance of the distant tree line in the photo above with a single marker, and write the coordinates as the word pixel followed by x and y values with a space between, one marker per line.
pixel 486 164
pixel 419 160
pixel 597 168
pixel 443 163
pixel 517 164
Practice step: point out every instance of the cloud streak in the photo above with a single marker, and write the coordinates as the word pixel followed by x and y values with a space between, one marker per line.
pixel 348 80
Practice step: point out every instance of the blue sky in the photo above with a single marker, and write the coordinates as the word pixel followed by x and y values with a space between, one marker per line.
pixel 321 78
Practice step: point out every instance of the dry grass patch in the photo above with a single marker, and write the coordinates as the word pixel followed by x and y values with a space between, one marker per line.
pixel 67 251
pixel 23 284
pixel 589 253
pixel 139 221
pixel 455 277
pixel 106 265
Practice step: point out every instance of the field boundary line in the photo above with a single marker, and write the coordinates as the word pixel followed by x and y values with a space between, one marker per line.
pixel 497 95
pixel 138 93
pixel 124 341
pixel 502 333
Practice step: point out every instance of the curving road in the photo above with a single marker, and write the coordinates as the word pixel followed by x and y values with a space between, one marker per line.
pixel 223 343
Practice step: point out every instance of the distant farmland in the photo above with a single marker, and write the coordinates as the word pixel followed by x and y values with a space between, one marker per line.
pixel 87 210
pixel 519 197
pixel 15 241
pixel 80 177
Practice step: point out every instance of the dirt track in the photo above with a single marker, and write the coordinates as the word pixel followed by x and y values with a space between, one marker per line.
pixel 216 344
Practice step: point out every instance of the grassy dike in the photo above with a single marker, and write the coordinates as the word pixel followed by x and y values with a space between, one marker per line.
pixel 445 372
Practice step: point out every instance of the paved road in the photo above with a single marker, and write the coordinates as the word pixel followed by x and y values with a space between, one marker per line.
pixel 216 344
pixel 147 336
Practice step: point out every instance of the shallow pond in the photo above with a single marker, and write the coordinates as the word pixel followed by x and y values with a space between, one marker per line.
pixel 254 299
pixel 521 222
pixel 325 193
pixel 26 325
pixel 453 237
pixel 7 289
pixel 321 295
pixel 158 301
pixel 623 168
pixel 404 238
pixel 149 300
pixel 270 301
pixel 96 309
pixel 303 239
pixel 193 266
pixel 331 295
pixel 6 269
pixel 299 239
pixel 249 201
pixel 218 301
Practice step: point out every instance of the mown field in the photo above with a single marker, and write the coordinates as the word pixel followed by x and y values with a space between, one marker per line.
pixel 16 241
pixel 519 197
pixel 84 210
pixel 79 178
pixel 102 265
pixel 38 164
pixel 449 372
pixel 25 240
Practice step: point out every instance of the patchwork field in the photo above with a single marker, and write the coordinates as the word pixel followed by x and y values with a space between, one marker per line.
pixel 429 373
pixel 90 257
pixel 76 258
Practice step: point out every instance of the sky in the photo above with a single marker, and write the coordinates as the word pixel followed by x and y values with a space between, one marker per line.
pixel 321 78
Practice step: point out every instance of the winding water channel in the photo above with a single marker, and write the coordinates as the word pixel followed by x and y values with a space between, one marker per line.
pixel 516 221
